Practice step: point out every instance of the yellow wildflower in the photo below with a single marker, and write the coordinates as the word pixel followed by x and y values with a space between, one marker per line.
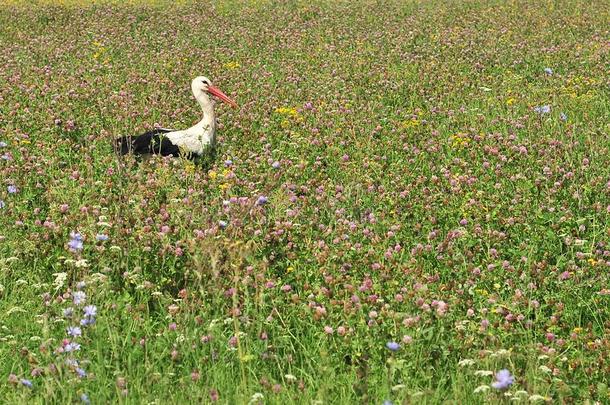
pixel 286 111
pixel 413 122
pixel 289 113
pixel 231 65
pixel 459 140
pixel 212 174
pixel 189 167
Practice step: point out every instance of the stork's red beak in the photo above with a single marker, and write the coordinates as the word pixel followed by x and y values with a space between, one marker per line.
pixel 215 91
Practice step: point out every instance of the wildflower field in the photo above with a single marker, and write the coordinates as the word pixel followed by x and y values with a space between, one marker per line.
pixel 411 204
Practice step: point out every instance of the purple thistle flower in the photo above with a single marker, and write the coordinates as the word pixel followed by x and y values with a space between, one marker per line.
pixel 262 200
pixel 79 297
pixel 503 380
pixel 26 383
pixel 74 331
pixel 11 189
pixel 393 346
pixel 76 242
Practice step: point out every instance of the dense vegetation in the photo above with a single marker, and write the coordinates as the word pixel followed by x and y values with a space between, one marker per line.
pixel 412 196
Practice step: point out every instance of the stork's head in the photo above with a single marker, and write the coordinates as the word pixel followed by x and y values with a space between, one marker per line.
pixel 202 86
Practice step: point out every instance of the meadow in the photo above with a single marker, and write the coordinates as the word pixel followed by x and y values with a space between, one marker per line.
pixel 413 196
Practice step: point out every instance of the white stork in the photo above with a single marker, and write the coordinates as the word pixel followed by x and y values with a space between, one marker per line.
pixel 192 141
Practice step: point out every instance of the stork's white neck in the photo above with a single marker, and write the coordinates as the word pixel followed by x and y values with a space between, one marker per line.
pixel 207 106
pixel 201 135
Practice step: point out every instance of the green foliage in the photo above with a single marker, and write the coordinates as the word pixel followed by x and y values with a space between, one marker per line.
pixel 417 190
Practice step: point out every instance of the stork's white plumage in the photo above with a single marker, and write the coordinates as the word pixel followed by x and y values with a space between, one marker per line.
pixel 192 141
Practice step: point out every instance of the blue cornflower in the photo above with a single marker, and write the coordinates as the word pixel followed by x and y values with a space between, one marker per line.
pixel 76 242
pixel 262 200
pixel 228 162
pixel 81 372
pixel 87 321
pixel 101 237
pixel 68 312
pixel 5 157
pixel 503 380
pixel 388 402
pixel 545 109
pixel 222 224
pixel 393 346
pixel 79 297
pixel 11 189
pixel 563 116
pixel 2 144
pixel 81 285
pixel 90 310
pixel 71 347
pixel 548 71
pixel 85 399
pixel 74 331
pixel 275 165
pixel 2 204
pixel 26 383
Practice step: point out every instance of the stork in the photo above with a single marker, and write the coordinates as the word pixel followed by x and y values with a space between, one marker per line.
pixel 192 141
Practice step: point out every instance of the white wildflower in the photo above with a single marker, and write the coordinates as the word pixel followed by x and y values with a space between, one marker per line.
pixel 466 362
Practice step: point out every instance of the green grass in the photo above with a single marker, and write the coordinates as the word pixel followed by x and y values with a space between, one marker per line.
pixel 420 198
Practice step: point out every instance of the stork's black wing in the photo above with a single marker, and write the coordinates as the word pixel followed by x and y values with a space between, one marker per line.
pixel 151 142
